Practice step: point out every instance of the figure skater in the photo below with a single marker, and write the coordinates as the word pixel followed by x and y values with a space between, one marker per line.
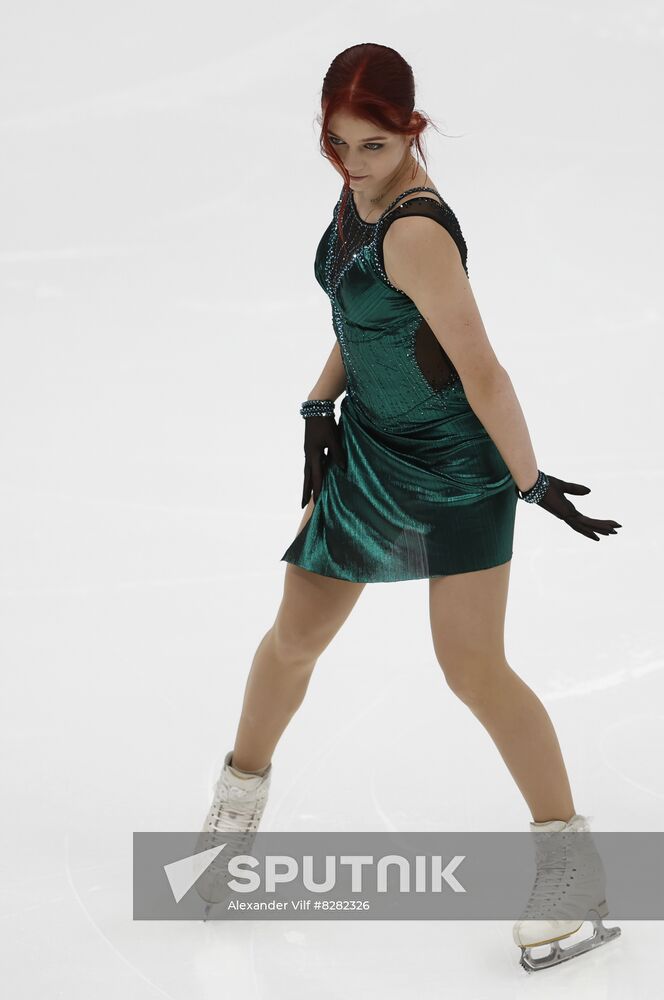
pixel 421 479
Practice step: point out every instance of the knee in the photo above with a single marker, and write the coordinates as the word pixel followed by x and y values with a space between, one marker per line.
pixel 472 675
pixel 295 643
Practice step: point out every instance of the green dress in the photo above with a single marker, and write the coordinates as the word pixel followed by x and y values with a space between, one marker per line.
pixel 426 492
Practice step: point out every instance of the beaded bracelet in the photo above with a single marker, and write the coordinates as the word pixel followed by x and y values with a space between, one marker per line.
pixel 537 490
pixel 317 408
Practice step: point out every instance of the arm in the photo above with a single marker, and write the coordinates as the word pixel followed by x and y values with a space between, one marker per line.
pixel 422 259
pixel 323 432
pixel 332 380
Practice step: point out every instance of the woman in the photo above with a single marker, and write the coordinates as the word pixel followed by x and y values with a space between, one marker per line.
pixel 424 470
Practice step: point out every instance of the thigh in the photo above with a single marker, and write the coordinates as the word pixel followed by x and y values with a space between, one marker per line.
pixel 467 615
pixel 313 607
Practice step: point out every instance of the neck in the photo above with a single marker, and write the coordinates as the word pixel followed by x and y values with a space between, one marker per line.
pixel 392 187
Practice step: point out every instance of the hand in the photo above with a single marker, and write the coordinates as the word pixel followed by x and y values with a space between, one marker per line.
pixel 320 433
pixel 555 501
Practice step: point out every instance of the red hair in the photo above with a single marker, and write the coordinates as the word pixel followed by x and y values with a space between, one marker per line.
pixel 375 83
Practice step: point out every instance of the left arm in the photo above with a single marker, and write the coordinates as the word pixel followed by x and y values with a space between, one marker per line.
pixel 422 259
pixel 496 404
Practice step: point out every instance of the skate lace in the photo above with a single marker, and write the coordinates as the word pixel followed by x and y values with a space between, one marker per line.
pixel 556 869
pixel 236 809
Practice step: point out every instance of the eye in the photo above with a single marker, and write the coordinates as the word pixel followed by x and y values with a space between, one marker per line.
pixel 371 146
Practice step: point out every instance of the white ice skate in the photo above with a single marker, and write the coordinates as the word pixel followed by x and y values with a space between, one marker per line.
pixel 233 818
pixel 570 880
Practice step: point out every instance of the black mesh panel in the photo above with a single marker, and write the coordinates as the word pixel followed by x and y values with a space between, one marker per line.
pixel 432 360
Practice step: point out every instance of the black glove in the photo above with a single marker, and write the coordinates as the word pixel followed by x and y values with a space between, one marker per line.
pixel 320 433
pixel 555 501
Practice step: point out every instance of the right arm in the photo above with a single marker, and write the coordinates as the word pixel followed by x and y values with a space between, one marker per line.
pixel 332 380
pixel 323 432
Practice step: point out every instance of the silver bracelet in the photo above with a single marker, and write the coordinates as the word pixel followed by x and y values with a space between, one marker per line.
pixel 317 408
pixel 537 490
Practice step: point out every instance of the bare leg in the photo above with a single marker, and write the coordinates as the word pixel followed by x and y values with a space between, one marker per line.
pixel 312 610
pixel 467 614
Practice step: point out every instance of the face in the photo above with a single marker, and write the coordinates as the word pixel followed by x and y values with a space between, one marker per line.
pixel 371 155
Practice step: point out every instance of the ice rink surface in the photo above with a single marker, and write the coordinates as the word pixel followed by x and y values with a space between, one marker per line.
pixel 162 198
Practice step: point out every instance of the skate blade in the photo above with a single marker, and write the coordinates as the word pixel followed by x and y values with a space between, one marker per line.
pixel 601 935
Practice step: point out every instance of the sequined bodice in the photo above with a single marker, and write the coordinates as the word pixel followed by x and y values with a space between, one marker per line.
pixel 396 370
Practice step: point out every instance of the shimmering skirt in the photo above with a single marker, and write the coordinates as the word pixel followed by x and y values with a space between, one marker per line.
pixel 428 499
